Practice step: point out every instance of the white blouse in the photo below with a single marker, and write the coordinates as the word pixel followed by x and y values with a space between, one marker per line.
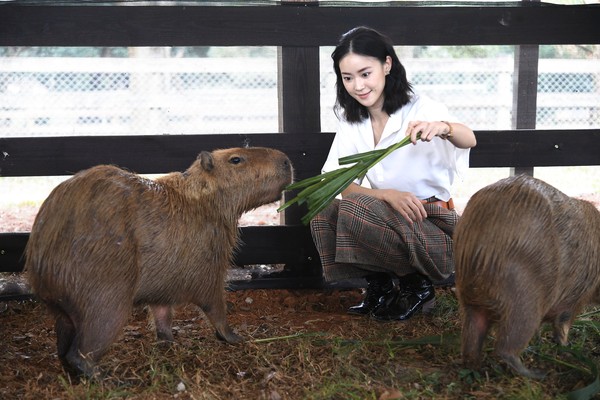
pixel 426 169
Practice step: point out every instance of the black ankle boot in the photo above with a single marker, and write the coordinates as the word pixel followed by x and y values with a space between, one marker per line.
pixel 416 293
pixel 379 288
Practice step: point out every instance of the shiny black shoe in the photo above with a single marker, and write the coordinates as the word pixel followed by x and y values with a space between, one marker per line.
pixel 416 293
pixel 380 288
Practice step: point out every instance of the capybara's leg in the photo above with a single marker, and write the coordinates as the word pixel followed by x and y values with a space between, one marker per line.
pixel 513 334
pixel 216 315
pixel 95 334
pixel 163 319
pixel 65 334
pixel 475 325
pixel 67 343
pixel 561 326
pixel 65 337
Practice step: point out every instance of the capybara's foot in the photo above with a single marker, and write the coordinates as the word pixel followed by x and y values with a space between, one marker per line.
pixel 561 326
pixel 517 366
pixel 471 362
pixel 164 346
pixel 79 369
pixel 231 337
pixel 163 318
pixel 165 336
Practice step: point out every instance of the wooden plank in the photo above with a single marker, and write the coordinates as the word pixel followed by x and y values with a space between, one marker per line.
pixel 280 244
pixel 147 154
pixel 159 154
pixel 200 25
pixel 539 148
pixel 12 246
pixel 284 244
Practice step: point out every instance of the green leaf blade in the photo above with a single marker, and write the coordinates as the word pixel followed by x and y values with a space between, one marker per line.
pixel 320 190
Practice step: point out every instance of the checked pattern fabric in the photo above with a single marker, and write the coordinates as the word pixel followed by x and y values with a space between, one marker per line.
pixel 361 234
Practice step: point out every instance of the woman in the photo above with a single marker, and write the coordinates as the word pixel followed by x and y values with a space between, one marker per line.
pixel 400 225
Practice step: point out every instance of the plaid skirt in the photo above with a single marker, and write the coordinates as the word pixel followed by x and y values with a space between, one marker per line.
pixel 361 234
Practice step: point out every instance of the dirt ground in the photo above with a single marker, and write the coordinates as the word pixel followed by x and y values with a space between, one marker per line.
pixel 29 367
pixel 300 344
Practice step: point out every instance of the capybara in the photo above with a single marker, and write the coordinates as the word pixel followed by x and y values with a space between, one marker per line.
pixel 525 253
pixel 107 240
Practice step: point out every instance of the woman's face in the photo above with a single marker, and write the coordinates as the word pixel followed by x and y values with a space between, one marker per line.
pixel 364 78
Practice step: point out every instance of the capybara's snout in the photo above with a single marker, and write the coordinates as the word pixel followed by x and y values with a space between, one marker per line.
pixel 281 159
pixel 286 165
pixel 276 174
pixel 287 170
pixel 285 175
pixel 282 164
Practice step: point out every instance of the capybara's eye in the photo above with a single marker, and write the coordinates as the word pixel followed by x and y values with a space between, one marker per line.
pixel 235 160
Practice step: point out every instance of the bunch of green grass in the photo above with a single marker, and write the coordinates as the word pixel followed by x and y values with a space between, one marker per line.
pixel 318 191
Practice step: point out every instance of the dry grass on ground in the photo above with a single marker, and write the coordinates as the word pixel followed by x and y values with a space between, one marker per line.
pixel 300 345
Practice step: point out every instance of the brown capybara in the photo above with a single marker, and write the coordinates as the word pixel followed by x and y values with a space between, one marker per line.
pixel 525 253
pixel 107 240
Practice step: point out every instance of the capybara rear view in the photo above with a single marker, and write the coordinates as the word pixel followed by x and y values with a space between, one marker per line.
pixel 525 253
pixel 106 240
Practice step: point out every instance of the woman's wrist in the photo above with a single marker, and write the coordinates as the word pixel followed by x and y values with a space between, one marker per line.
pixel 459 135
pixel 449 133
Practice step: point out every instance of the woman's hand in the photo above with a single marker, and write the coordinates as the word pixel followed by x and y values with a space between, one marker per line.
pixel 428 130
pixel 407 204
pixel 458 134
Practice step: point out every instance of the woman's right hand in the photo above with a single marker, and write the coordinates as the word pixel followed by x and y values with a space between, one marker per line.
pixel 406 203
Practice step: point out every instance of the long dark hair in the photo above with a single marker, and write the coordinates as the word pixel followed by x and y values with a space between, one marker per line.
pixel 368 42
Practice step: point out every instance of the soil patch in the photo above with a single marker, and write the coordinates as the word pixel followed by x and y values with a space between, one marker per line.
pixel 300 344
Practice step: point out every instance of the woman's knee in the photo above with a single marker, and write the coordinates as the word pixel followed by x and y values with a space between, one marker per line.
pixel 327 217
pixel 364 205
pixel 357 200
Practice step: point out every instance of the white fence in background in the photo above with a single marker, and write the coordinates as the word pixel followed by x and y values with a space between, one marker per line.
pixel 128 96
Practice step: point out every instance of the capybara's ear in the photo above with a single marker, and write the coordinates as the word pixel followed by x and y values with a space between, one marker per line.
pixel 206 160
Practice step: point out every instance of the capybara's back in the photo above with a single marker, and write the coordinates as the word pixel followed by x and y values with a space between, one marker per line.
pixel 525 253
pixel 107 239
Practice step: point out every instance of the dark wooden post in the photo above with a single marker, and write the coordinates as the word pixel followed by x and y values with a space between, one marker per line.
pixel 300 114
pixel 525 78
pixel 299 96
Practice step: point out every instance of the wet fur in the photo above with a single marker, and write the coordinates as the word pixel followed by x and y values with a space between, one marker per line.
pixel 525 253
pixel 106 240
